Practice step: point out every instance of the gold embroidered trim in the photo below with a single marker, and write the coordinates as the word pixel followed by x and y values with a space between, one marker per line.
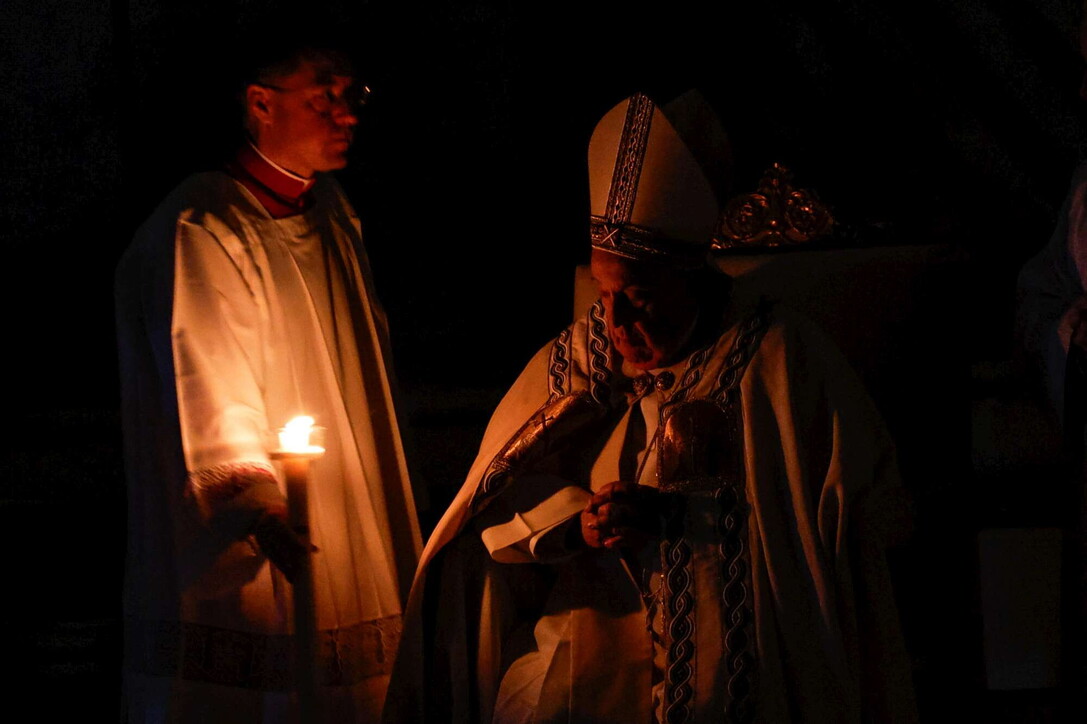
pixel 640 242
pixel 558 377
pixel 679 630
pixel 733 551
pixel 599 345
pixel 631 156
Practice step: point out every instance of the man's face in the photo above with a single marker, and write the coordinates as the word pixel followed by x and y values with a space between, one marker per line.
pixel 304 121
pixel 649 308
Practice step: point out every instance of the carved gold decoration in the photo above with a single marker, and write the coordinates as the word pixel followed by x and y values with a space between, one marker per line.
pixel 776 215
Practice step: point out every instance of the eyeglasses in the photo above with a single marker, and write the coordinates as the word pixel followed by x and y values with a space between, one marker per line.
pixel 325 99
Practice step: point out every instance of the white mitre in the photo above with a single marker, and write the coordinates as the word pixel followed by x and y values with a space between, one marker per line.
pixel 650 197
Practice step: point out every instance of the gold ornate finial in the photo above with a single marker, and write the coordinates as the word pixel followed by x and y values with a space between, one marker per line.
pixel 776 215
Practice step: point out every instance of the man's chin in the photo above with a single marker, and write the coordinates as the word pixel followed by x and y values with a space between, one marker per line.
pixel 641 358
pixel 335 160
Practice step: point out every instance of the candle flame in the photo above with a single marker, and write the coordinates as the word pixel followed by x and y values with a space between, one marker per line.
pixel 295 436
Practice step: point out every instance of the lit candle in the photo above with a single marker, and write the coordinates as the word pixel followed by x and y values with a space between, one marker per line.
pixel 294 437
pixel 297 453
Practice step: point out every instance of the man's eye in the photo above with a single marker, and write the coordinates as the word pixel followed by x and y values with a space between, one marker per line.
pixel 323 101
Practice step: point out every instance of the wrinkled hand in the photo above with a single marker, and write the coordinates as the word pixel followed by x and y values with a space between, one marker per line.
pixel 280 544
pixel 621 515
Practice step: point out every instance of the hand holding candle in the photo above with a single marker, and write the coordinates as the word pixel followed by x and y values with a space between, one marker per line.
pixel 297 449
pixel 280 544
pixel 282 534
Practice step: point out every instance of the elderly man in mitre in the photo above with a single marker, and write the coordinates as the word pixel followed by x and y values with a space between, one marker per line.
pixel 680 509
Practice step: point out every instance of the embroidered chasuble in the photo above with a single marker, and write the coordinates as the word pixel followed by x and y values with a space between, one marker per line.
pixel 766 596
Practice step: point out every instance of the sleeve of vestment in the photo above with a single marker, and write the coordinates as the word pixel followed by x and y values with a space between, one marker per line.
pixel 527 521
pixel 219 352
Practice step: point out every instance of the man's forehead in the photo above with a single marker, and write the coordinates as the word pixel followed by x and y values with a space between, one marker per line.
pixel 308 68
pixel 322 73
pixel 329 75
pixel 612 268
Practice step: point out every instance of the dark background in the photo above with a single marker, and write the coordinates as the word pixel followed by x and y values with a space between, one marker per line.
pixel 953 123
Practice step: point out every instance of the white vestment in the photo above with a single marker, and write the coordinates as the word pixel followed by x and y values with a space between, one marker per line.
pixel 230 323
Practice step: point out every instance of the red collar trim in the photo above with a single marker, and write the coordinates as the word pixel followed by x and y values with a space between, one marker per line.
pixel 279 192
pixel 278 180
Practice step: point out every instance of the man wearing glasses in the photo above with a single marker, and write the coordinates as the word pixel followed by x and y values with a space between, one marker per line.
pixel 245 300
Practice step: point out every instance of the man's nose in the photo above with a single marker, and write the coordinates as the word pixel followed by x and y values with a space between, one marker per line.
pixel 344 115
pixel 344 110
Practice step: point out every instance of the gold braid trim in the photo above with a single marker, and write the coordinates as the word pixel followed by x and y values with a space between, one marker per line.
pixel 628 164
pixel 679 631
pixel 735 599
pixel 559 367
pixel 599 346
pixel 642 243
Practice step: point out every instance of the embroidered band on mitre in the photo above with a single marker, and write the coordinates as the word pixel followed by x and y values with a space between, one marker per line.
pixel 649 197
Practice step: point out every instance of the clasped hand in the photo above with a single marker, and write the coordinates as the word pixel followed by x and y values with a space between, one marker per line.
pixel 621 515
